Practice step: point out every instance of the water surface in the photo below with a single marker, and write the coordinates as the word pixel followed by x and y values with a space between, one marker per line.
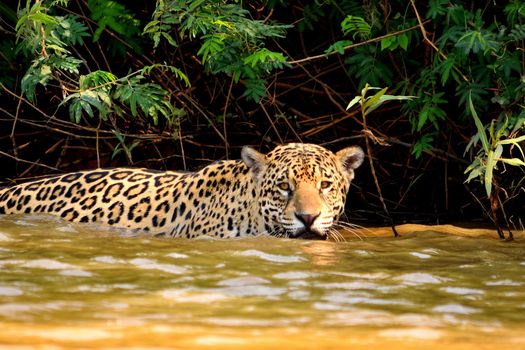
pixel 64 285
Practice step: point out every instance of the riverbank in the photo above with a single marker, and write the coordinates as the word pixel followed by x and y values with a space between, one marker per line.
pixel 412 229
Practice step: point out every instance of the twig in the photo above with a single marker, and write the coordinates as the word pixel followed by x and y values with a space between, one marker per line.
pixel 271 123
pixel 183 155
pixel 373 171
pixel 353 46
pixel 224 114
pixel 97 145
pixel 27 161
pixel 430 42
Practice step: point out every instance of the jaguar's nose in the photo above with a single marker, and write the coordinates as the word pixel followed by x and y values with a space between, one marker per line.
pixel 306 219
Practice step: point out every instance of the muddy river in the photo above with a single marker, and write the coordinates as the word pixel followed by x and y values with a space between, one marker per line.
pixel 68 286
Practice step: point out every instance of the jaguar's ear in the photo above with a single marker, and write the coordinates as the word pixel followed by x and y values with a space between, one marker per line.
pixel 350 158
pixel 254 160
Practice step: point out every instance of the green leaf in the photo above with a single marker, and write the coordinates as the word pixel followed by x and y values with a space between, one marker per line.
pixel 356 26
pixel 95 79
pixel 353 102
pixel 475 170
pixel 264 56
pixel 387 43
pixel 479 126
pixel 255 89
pixel 437 8
pixel 338 46
pixel 446 67
pixel 423 144
pixel 169 38
pixel 477 41
pixel 211 46
pixel 402 39
pixel 512 161
pixel 373 102
pixel 514 141
pixel 489 169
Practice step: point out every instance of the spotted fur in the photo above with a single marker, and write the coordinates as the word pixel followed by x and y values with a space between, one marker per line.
pixel 295 190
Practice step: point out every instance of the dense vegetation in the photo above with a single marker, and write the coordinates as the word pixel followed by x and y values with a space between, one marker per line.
pixel 175 84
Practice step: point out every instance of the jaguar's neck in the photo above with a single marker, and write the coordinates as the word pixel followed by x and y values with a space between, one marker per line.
pixel 224 201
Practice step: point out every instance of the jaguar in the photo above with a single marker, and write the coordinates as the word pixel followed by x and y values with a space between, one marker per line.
pixel 296 191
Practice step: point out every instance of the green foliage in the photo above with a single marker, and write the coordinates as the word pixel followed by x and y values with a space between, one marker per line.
pixel 475 41
pixel 371 103
pixel 100 91
pixel 424 143
pixel 500 135
pixel 95 89
pixel 369 67
pixel 356 26
pixel 151 99
pixel 255 89
pixel 266 60
pixel 114 16
pixel 437 8
pixel 123 146
pixel 312 13
pixel 48 38
pixel 316 12
pixel 430 111
pixel 338 46
pixel 473 56
pixel 393 42
pixel 52 39
pixel 232 43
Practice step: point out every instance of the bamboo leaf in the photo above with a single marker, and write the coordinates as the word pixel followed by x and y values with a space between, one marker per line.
pixel 373 102
pixel 498 151
pixel 474 173
pixel 512 161
pixel 353 102
pixel 385 98
pixel 515 140
pixel 491 162
pixel 479 125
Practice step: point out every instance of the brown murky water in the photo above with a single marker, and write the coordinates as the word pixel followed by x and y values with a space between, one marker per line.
pixel 68 286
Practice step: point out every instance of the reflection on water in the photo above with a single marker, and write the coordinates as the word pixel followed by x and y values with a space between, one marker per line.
pixel 66 285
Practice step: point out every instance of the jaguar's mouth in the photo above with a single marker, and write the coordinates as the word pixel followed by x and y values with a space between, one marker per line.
pixel 309 234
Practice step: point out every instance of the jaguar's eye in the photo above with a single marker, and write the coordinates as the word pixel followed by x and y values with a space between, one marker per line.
pixel 325 184
pixel 285 186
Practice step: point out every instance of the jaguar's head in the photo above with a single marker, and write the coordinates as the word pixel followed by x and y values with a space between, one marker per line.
pixel 302 187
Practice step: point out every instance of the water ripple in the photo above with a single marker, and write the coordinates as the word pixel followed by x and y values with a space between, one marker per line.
pixel 107 259
pixel 417 278
pixel 150 264
pixel 47 264
pixel 271 257
pixel 462 291
pixel 455 309
pixel 293 275
pixel 188 296
pixel 503 283
pixel 350 285
pixel 420 255
pixel 7 291
pixel 249 286
pixel 177 255
pixel 76 273
pixel 4 237
pixel 243 281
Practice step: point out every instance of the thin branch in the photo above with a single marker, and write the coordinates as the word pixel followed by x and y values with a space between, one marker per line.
pixel 353 46
pixel 430 42
pixel 27 161
pixel 224 115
